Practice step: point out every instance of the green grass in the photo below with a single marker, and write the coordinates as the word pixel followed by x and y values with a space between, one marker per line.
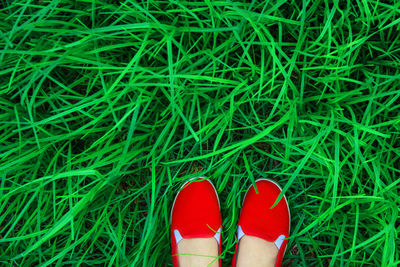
pixel 106 107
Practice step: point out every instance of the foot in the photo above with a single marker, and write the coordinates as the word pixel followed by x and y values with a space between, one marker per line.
pixel 198 252
pixel 256 252
pixel 196 225
pixel 262 230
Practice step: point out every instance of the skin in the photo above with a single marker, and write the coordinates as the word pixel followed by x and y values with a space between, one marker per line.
pixel 204 250
pixel 256 252
pixel 252 252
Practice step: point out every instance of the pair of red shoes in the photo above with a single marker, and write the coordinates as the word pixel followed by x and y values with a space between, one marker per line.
pixel 196 214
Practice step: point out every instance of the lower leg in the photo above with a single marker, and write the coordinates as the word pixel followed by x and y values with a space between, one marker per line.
pixel 203 252
pixel 256 252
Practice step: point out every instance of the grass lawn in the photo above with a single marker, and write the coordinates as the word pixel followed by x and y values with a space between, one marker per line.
pixel 106 107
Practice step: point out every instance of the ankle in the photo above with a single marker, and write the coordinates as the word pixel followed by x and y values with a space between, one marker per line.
pixel 254 251
pixel 198 252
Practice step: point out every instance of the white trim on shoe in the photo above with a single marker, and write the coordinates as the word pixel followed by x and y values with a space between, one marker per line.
pixel 278 242
pixel 178 236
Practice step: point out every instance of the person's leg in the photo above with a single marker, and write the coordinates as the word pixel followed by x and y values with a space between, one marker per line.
pixel 196 225
pixel 256 252
pixel 262 230
pixel 198 252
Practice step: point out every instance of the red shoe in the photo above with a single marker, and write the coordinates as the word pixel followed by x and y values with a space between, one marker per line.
pixel 195 214
pixel 257 219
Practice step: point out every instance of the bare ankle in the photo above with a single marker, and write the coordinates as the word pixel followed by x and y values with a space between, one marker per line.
pixel 196 252
pixel 254 252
